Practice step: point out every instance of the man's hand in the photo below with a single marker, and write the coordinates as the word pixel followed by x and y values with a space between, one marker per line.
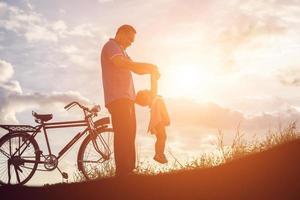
pixel 156 75
pixel 153 70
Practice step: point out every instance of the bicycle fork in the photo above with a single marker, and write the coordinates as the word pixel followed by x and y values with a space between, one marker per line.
pixel 8 167
pixel 104 156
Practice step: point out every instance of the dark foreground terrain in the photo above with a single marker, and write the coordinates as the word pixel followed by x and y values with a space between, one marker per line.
pixel 273 174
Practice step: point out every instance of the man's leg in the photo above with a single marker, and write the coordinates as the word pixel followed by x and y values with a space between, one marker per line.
pixel 131 140
pixel 118 110
pixel 123 120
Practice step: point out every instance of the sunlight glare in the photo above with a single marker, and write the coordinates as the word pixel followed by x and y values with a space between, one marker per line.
pixel 186 81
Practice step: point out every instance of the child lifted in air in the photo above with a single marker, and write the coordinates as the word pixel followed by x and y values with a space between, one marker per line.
pixel 159 117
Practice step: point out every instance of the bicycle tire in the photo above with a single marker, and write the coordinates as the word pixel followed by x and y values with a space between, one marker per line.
pixel 101 167
pixel 29 166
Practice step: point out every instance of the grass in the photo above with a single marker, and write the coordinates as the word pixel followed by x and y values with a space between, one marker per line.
pixel 238 148
pixel 241 147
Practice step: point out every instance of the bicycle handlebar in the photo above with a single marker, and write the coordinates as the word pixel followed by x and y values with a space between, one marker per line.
pixel 94 110
pixel 67 106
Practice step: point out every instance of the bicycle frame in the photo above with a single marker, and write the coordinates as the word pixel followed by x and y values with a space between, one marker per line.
pixel 88 123
pixel 45 126
pixel 56 125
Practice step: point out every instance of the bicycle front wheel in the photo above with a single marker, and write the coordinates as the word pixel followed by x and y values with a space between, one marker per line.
pixel 95 157
pixel 18 158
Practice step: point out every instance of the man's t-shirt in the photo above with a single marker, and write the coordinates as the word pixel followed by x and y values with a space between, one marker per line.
pixel 117 81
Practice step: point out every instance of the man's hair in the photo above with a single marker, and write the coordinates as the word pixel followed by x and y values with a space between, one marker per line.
pixel 125 29
pixel 142 97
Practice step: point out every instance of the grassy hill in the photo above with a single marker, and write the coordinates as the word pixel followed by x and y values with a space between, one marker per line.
pixel 272 174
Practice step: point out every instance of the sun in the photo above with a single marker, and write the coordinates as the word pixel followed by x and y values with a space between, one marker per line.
pixel 187 80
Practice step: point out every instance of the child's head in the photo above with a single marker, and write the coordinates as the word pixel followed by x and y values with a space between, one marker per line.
pixel 143 98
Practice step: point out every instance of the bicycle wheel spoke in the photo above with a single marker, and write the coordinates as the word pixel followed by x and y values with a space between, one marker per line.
pixel 9 175
pixel 2 171
pixel 9 146
pixel 17 174
pixel 22 173
pixel 19 144
pixel 4 153
pixel 2 174
pixel 88 153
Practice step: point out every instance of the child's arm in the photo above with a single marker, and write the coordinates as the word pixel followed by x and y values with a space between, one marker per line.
pixel 153 90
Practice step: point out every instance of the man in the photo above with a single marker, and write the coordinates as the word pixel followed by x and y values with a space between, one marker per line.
pixel 119 95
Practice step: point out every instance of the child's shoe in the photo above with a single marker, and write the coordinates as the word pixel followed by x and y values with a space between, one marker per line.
pixel 161 158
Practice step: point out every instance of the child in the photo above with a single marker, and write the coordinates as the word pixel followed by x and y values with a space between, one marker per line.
pixel 159 117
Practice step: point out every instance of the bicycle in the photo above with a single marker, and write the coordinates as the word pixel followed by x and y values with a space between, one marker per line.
pixel 20 154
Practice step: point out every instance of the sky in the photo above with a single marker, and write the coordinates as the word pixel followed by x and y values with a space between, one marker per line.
pixel 223 64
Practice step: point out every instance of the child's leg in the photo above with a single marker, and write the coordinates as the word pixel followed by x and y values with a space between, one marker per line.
pixel 161 138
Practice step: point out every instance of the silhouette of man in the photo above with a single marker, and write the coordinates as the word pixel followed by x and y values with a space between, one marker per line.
pixel 119 94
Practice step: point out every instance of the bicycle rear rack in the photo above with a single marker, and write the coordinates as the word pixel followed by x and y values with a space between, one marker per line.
pixel 19 128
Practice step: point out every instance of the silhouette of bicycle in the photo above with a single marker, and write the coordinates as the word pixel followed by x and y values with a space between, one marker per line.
pixel 20 154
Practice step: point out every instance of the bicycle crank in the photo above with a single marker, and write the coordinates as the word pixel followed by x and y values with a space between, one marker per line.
pixel 51 162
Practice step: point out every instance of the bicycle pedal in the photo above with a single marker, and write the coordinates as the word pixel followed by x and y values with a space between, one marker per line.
pixel 65 175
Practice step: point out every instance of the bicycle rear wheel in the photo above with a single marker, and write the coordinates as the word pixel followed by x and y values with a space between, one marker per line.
pixel 13 169
pixel 95 157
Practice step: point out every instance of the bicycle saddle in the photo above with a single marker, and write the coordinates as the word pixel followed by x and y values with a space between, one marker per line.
pixel 42 117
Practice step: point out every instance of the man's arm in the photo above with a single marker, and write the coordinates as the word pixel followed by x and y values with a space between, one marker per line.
pixel 136 67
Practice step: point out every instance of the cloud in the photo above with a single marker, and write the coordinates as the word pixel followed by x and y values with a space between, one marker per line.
pixel 242 28
pixel 220 32
pixel 17 103
pixel 35 27
pixel 3 8
pixel 39 33
pixel 62 11
pixel 30 6
pixel 79 57
pixel 60 27
pixel 228 28
pixel 7 86
pixel 290 76
pixel 32 25
pixel 69 49
pixel 13 100
pixel 247 27
pixel 211 116
pixel 6 71
pixel 57 37
pixel 84 30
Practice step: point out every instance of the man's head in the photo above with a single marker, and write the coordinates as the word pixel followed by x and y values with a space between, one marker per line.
pixel 125 35
pixel 143 98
